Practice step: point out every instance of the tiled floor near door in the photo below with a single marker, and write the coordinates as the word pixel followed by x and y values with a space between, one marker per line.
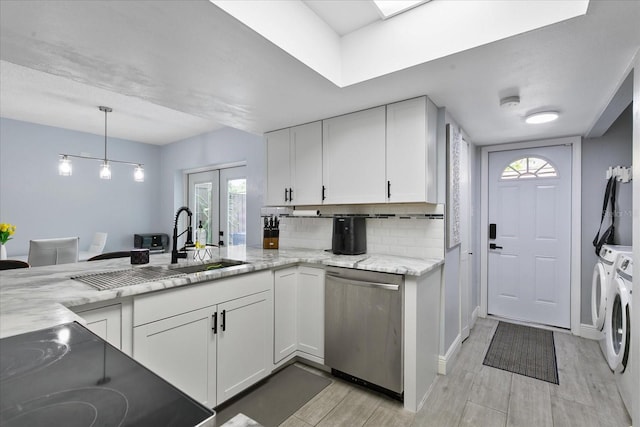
pixel 477 395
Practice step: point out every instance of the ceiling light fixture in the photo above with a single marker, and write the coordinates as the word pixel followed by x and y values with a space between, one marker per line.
pixel 64 164
pixel 510 102
pixel 542 117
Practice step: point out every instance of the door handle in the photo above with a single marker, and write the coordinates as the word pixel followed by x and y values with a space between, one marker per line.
pixel 494 246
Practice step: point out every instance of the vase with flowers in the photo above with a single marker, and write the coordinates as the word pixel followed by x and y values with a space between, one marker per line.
pixel 6 231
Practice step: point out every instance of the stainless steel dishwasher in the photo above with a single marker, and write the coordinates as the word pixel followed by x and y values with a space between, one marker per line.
pixel 363 328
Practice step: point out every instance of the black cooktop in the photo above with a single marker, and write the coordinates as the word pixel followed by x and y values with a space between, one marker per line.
pixel 67 376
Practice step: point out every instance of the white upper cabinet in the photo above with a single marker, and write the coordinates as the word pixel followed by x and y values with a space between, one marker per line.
pixel 411 151
pixel 306 169
pixel 294 165
pixel 278 167
pixel 353 157
pixel 385 154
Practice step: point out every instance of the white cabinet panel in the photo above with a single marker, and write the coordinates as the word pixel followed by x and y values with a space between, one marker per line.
pixel 105 322
pixel 182 350
pixel 411 151
pixel 294 165
pixel 278 167
pixel 244 343
pixel 353 157
pixel 306 167
pixel 310 309
pixel 285 289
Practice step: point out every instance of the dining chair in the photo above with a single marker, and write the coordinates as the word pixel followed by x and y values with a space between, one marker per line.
pixel 98 243
pixel 53 251
pixel 10 264
pixel 110 255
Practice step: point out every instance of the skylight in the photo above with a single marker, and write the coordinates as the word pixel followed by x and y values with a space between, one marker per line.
pixel 389 8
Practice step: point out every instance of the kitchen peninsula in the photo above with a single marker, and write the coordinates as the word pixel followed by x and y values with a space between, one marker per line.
pixel 38 298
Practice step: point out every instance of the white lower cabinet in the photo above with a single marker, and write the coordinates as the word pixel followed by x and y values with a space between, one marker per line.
pixel 299 313
pixel 244 343
pixel 182 350
pixel 311 311
pixel 111 322
pixel 285 309
pixel 213 352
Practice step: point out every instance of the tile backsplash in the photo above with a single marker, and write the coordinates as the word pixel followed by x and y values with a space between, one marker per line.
pixel 413 230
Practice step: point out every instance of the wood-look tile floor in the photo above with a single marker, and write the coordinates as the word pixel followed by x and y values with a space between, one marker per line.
pixel 477 395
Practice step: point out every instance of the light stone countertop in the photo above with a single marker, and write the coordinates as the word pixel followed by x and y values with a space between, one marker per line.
pixel 40 297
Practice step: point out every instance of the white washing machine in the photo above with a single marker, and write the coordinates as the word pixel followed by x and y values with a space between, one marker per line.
pixel 621 327
pixel 603 273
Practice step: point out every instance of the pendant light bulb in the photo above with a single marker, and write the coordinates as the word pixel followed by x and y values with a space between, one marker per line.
pixel 138 174
pixel 105 171
pixel 64 166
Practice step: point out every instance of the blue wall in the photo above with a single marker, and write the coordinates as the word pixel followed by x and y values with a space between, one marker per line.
pixel 43 204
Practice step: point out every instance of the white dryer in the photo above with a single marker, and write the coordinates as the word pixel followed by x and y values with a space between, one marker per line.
pixel 603 273
pixel 621 327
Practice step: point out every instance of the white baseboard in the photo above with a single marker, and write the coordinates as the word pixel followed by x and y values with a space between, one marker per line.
pixel 449 358
pixel 474 316
pixel 589 332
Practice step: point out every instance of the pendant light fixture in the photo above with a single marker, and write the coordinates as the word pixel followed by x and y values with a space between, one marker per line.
pixel 65 168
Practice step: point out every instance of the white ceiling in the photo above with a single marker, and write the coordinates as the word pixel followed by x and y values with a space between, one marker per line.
pixel 174 69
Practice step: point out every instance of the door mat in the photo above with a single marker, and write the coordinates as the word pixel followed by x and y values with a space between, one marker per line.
pixel 275 399
pixel 523 350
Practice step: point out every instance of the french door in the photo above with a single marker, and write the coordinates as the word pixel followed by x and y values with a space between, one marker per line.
pixel 217 199
pixel 530 235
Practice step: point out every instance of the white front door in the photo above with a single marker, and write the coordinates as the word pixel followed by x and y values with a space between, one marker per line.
pixel 529 252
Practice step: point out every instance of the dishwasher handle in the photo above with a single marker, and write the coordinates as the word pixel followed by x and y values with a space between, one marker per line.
pixel 387 286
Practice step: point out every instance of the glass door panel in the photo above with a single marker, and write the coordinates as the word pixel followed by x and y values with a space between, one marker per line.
pixel 233 206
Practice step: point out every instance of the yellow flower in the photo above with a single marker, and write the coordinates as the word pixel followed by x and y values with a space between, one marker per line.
pixel 6 231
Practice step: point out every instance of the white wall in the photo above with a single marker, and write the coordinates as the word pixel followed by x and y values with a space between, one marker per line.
pixel 43 204
pixel 635 339
pixel 216 148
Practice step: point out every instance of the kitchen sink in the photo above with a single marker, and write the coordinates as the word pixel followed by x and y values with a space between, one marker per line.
pixel 209 266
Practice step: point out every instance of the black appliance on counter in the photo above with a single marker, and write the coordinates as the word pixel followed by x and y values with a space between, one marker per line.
pixel 67 376
pixel 349 235
pixel 155 242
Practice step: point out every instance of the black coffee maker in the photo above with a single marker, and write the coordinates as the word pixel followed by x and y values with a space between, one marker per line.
pixel 349 235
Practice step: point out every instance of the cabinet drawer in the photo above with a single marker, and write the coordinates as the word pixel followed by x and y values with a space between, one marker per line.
pixel 163 304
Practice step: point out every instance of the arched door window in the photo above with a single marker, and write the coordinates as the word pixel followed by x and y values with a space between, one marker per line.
pixel 529 167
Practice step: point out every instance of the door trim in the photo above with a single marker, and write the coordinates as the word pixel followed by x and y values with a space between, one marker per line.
pixel 576 238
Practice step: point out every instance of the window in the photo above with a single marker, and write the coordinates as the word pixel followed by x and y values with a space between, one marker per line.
pixel 529 167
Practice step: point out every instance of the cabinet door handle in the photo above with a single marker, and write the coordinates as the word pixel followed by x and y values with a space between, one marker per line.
pixel 388 189
pixel 291 194
pixel 223 320
pixel 286 195
pixel 323 190
pixel 214 319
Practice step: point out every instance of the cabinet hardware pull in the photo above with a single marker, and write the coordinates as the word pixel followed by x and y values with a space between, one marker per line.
pixel 291 194
pixel 323 190
pixel 388 189
pixel 214 319
pixel 223 321
pixel 286 197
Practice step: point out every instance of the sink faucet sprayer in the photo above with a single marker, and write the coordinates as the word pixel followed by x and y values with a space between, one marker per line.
pixel 174 252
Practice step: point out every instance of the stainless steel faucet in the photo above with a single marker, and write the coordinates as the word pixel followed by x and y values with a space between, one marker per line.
pixel 174 251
